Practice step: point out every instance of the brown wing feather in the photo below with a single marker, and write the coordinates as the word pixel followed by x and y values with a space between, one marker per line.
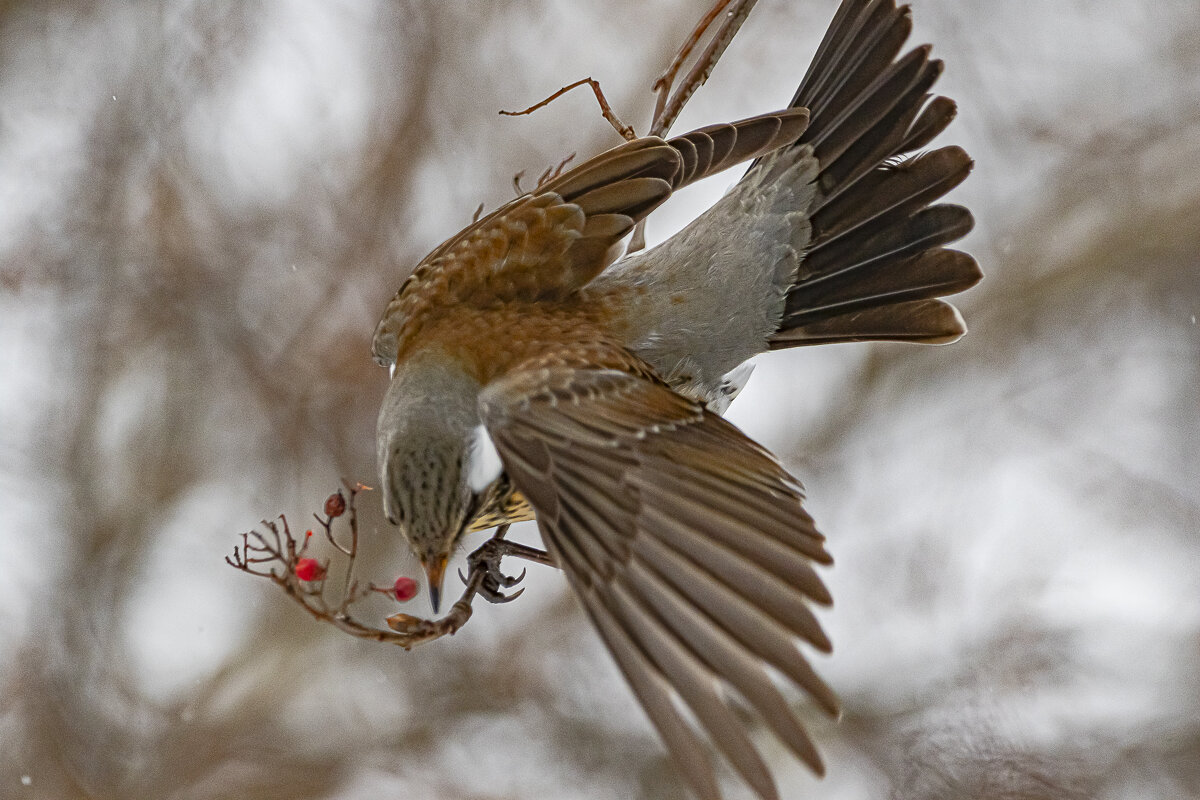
pixel 686 542
pixel 544 246
pixel 709 150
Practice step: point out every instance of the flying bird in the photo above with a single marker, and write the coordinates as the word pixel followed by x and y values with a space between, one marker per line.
pixel 537 375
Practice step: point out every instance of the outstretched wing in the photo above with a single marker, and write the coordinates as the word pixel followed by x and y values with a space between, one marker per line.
pixel 548 244
pixel 687 544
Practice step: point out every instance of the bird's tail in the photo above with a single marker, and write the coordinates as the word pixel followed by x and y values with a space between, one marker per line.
pixel 876 260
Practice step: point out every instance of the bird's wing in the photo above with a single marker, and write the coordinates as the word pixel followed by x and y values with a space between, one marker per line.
pixel 548 244
pixel 687 544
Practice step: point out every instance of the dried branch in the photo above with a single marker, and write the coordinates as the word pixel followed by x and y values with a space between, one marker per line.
pixel 662 85
pixel 553 172
pixel 305 579
pixel 626 131
pixel 666 110
pixel 668 106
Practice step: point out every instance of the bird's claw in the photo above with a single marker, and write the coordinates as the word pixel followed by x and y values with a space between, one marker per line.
pixel 506 581
pixel 496 596
pixel 483 568
pixel 493 581
pixel 495 576
pixel 487 560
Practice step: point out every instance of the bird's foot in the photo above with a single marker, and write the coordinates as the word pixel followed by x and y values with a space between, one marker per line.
pixel 483 567
pixel 484 577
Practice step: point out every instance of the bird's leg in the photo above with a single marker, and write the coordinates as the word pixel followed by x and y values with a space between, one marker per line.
pixel 483 566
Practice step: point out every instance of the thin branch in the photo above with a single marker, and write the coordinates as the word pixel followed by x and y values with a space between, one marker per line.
pixel 664 82
pixel 278 547
pixel 668 107
pixel 626 131
pixel 553 172
pixel 698 75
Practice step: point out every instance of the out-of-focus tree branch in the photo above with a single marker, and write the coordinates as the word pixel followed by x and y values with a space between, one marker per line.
pixel 186 314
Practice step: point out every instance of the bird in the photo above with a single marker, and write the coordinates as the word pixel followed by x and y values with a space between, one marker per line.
pixel 538 373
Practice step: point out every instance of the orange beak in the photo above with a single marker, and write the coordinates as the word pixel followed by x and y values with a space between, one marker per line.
pixel 435 569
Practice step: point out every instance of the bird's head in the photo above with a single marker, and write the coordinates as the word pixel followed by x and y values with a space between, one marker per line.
pixel 433 466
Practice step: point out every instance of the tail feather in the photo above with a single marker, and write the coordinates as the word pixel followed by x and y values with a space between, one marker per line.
pixel 884 194
pixel 860 150
pixel 891 240
pixel 876 258
pixel 925 321
pixel 867 40
pixel 933 120
pixel 926 275
pixel 830 139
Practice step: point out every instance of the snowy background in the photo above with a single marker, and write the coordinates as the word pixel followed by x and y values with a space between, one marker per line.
pixel 204 208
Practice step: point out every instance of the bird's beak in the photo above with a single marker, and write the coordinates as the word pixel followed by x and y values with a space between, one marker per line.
pixel 435 569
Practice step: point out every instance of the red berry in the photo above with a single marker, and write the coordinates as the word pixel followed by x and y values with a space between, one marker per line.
pixel 309 569
pixel 335 505
pixel 405 588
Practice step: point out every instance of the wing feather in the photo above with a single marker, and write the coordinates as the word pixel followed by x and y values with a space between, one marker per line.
pixel 549 244
pixel 765 591
pixel 687 544
pixel 654 692
pixel 699 688
pixel 726 656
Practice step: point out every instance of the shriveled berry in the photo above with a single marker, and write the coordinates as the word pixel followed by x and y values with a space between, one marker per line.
pixel 309 569
pixel 405 588
pixel 335 505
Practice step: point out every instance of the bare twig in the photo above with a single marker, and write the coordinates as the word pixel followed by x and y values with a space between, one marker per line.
pixel 553 172
pixel 278 547
pixel 668 106
pixel 664 82
pixel 626 131
pixel 698 75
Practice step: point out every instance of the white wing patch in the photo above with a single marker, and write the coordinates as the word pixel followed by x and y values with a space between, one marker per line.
pixel 483 462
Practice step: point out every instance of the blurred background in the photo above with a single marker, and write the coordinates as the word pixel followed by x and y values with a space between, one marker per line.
pixel 204 208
